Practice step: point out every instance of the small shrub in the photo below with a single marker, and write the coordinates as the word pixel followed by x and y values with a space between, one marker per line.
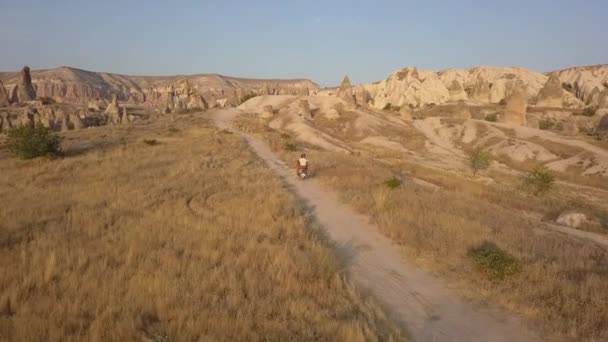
pixel 226 131
pixel 493 261
pixel 390 107
pixel 285 136
pixel 502 102
pixel 247 97
pixel 545 124
pixel 588 111
pixel 491 117
pixel 479 160
pixel 291 147
pixel 539 181
pixel 393 183
pixel 151 142
pixel 28 142
pixel 174 130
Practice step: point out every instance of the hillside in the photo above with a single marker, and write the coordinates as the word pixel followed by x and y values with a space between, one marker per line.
pixel 68 84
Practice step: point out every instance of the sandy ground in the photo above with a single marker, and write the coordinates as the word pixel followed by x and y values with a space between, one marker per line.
pixel 422 302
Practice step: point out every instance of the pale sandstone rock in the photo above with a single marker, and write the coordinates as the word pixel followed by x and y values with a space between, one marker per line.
pixel 457 92
pixel 517 104
pixel 462 111
pixel 3 96
pixel 406 113
pixel 551 95
pixel 28 118
pixel 571 219
pixel 304 108
pixel 346 91
pixel 267 112
pixel 77 121
pixel 124 118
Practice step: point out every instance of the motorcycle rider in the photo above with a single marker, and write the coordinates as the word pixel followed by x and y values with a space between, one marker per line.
pixel 302 165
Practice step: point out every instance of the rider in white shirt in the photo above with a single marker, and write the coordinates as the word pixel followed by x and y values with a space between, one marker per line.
pixel 302 164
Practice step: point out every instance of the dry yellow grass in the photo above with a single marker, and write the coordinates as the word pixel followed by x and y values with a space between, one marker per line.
pixel 562 286
pixel 190 239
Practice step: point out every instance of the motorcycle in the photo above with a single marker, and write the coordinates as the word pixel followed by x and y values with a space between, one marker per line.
pixel 302 173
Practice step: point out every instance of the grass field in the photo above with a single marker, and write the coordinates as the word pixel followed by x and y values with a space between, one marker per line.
pixel 188 238
pixel 555 282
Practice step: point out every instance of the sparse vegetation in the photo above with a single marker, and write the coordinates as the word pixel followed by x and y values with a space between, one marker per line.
pixel 493 261
pixel 545 124
pixel 441 214
pixel 539 181
pixel 479 159
pixel 588 111
pixel 291 147
pixel 151 142
pixel 493 117
pixel 393 183
pixel 163 245
pixel 27 142
pixel 390 107
pixel 246 97
pixel 174 130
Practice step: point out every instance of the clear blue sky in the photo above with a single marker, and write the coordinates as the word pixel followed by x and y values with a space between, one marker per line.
pixel 320 40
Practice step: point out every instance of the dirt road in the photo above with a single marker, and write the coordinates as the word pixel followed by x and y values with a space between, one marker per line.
pixel 423 303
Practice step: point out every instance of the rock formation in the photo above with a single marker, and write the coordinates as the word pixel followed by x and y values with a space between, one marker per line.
pixel 334 112
pixel 265 90
pixel 457 92
pixel 361 96
pixel 462 111
pixel 25 88
pixel 481 91
pixel 571 219
pixel 517 104
pixel 602 126
pixel 46 115
pixel 113 111
pixel 3 96
pixel 551 95
pixel 65 125
pixel 72 85
pixel 124 118
pixel 304 108
pixel 76 121
pixel 346 91
pixel 7 123
pixel 406 113
pixel 28 118
pixel 267 112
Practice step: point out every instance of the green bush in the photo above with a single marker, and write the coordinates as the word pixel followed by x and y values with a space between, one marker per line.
pixel 539 181
pixel 291 147
pixel 493 261
pixel 491 117
pixel 479 160
pixel 393 183
pixel 28 142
